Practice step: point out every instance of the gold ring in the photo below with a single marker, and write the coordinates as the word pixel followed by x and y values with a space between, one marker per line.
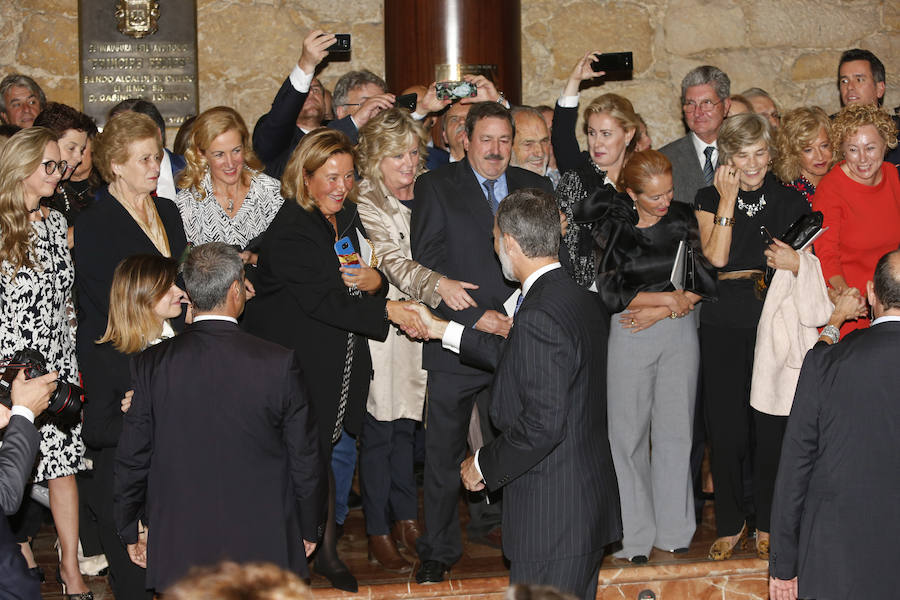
pixel 674 315
pixel 632 322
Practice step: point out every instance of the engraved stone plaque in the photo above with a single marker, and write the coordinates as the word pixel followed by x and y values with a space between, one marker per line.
pixel 138 49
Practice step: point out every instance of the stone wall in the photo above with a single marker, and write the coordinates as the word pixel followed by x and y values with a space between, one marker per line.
pixel 246 47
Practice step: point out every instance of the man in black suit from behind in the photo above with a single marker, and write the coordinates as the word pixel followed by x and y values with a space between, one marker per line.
pixel 450 232
pixel 561 501
pixel 834 513
pixel 18 452
pixel 219 453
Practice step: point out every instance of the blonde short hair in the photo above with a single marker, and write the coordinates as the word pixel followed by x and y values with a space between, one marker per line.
pixel 121 131
pixel 139 283
pixel 739 131
pixel 799 128
pixel 231 581
pixel 854 116
pixel 314 149
pixel 387 134
pixel 205 129
pixel 20 156
pixel 619 108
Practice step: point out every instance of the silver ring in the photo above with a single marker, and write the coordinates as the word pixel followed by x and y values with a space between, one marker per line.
pixel 352 286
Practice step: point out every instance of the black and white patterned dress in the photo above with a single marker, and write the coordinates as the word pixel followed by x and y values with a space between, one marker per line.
pixel 37 312
pixel 206 221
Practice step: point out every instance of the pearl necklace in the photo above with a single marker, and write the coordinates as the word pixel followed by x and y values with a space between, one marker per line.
pixel 752 209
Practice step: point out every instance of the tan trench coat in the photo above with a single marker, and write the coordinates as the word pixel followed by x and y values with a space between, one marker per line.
pixel 398 389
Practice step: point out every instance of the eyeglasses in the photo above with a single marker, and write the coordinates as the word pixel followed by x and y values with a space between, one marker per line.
pixel 705 106
pixel 52 165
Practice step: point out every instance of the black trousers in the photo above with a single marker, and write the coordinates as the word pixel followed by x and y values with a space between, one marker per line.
pixel 575 575
pixel 386 473
pixel 127 580
pixel 727 367
pixel 448 411
pixel 769 435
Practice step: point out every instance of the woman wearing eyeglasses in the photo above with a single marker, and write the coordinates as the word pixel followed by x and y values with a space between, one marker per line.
pixel 37 313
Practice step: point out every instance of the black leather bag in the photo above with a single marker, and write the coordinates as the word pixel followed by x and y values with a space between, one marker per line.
pixel 802 230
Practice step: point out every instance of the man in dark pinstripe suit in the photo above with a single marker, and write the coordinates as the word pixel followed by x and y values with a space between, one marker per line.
pixel 561 501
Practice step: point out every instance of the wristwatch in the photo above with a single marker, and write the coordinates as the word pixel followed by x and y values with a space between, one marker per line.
pixel 832 333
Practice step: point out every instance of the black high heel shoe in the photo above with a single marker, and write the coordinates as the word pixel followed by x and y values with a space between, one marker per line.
pixel 89 595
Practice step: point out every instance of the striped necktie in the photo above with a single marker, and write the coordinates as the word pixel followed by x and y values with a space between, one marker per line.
pixel 708 170
pixel 491 198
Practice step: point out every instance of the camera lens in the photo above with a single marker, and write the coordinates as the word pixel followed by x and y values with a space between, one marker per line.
pixel 66 400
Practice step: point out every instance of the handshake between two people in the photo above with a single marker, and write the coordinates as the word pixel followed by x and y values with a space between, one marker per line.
pixel 417 321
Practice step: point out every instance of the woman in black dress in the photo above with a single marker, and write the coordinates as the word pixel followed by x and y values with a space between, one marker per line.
pixel 745 200
pixel 308 301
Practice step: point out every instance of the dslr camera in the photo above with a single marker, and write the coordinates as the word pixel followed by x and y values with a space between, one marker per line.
pixel 66 399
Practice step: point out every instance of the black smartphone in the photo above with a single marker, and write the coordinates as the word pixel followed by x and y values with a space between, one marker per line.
pixel 341 43
pixel 407 101
pixel 614 61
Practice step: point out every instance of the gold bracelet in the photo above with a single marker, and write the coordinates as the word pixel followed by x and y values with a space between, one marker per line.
pixel 724 221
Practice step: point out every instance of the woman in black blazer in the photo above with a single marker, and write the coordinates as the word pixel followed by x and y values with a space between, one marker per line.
pixel 142 299
pixel 307 301
pixel 125 219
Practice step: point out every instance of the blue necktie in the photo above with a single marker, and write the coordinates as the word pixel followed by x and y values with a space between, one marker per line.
pixel 518 303
pixel 708 170
pixel 491 198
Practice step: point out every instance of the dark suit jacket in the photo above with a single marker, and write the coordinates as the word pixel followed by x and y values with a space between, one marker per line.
pixel 220 445
pixel 553 460
pixel 105 234
pixel 178 164
pixel 437 157
pixel 276 133
pixel 302 303
pixel 451 232
pixel 687 172
pixel 835 511
pixel 17 455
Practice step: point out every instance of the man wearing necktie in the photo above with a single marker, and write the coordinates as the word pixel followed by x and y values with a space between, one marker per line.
pixel 552 457
pixel 451 232
pixel 704 102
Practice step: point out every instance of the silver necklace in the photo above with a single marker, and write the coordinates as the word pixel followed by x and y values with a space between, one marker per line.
pixel 752 209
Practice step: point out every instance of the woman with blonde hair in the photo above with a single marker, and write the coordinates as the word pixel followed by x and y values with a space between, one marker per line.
pixel 805 153
pixel 611 126
pixel 224 195
pixel 391 156
pixel 37 313
pixel 317 295
pixel 654 354
pixel 860 201
pixel 142 300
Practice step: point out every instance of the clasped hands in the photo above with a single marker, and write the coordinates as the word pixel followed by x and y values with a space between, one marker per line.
pixel 677 304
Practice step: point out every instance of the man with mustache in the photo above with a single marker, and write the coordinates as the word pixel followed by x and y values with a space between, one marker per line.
pixel 451 232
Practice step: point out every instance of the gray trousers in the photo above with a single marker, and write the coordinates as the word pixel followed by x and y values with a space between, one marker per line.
pixel 651 389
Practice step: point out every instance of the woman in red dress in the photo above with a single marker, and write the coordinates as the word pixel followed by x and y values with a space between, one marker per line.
pixel 860 200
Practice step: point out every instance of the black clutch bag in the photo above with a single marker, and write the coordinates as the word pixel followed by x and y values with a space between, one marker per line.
pixel 802 230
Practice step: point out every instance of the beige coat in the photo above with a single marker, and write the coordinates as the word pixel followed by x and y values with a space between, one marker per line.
pixel 795 306
pixel 398 389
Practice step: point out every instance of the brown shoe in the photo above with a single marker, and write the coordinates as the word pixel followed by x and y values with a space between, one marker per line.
pixel 383 551
pixel 405 533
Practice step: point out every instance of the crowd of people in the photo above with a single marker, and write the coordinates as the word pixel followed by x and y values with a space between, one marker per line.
pixel 170 284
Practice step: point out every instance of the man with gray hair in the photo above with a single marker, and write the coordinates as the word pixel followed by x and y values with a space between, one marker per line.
pixel 704 104
pixel 763 104
pixel 219 430
pixel 21 100
pixel 531 146
pixel 552 457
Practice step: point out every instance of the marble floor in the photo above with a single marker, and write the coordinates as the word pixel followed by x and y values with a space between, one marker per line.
pixel 481 571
